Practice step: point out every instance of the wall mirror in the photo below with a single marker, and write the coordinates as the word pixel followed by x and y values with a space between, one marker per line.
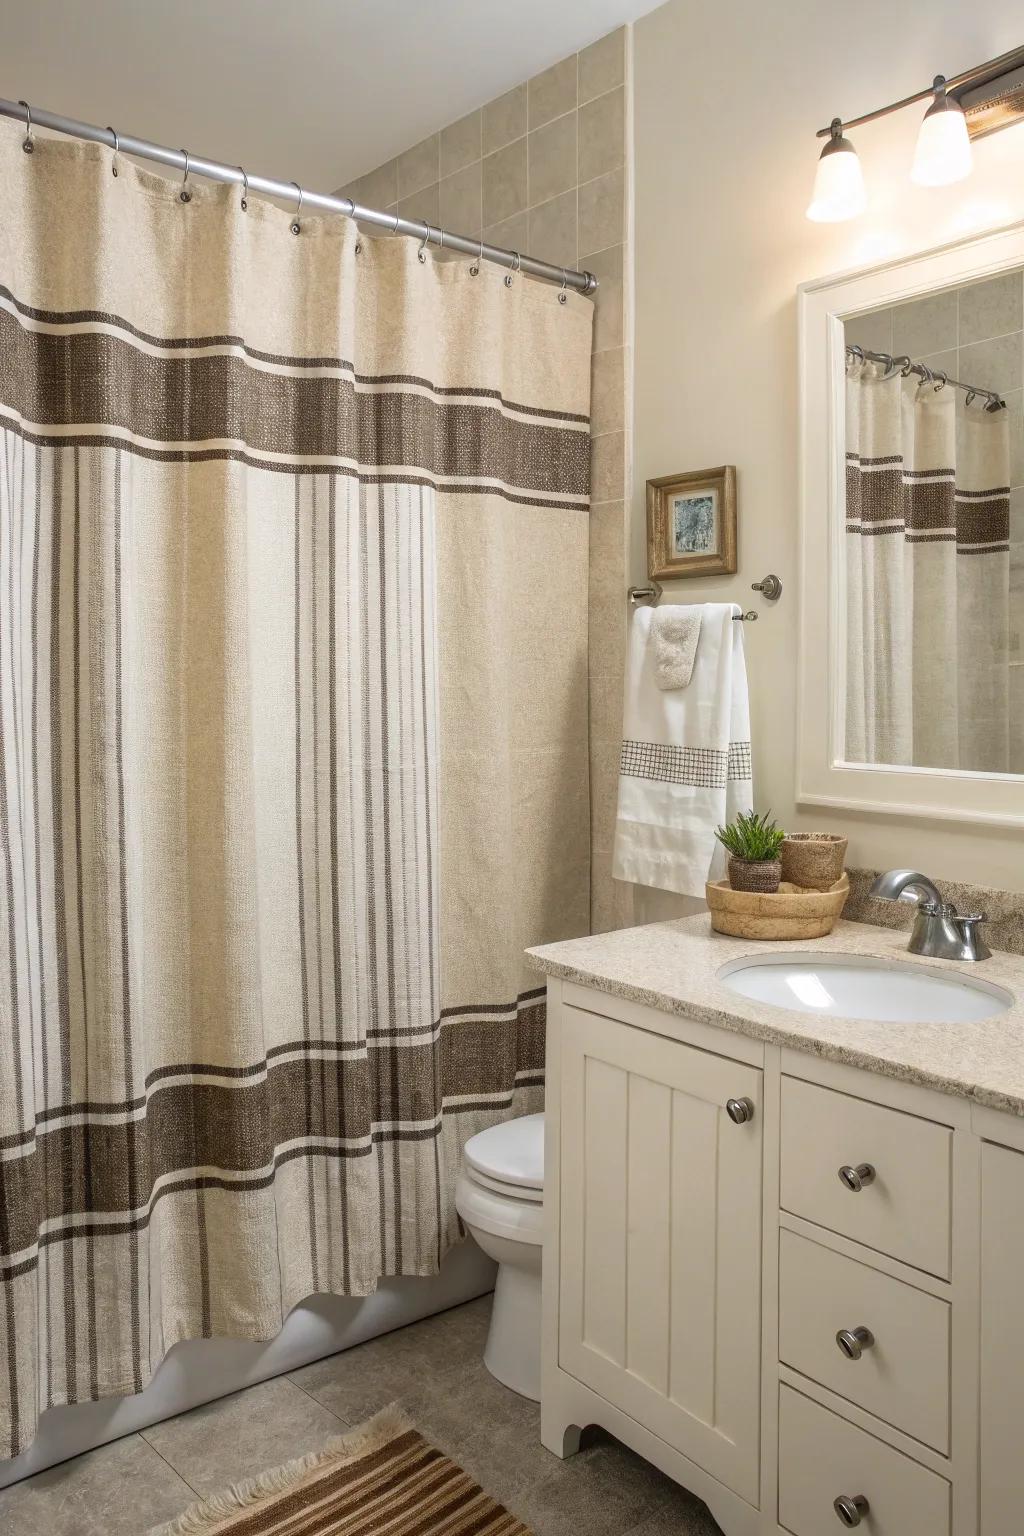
pixel 912 535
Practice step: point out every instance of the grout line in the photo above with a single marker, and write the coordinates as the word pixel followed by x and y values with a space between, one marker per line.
pixel 190 1486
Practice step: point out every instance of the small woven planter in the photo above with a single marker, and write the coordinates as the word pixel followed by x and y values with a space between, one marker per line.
pixel 813 860
pixel 763 876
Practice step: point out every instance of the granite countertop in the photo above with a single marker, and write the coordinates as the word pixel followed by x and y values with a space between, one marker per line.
pixel 673 967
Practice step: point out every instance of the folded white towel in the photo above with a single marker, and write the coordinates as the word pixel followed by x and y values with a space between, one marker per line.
pixel 674 635
pixel 685 766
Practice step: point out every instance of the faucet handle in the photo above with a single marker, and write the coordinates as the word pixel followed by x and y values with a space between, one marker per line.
pixel 967 922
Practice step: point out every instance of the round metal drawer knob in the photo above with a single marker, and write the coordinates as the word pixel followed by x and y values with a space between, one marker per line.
pixel 856 1179
pixel 854 1341
pixel 740 1111
pixel 851 1511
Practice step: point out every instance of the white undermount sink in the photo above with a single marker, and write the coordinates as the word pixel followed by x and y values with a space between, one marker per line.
pixel 861 987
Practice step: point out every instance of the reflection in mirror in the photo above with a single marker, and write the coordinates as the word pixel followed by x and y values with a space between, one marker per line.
pixel 934 543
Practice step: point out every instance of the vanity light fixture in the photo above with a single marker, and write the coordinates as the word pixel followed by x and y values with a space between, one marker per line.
pixel 962 107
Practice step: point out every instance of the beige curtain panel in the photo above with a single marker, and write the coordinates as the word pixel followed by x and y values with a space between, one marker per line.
pixel 293 753
pixel 928 575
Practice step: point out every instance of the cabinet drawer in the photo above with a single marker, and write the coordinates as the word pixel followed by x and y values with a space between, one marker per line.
pixel 902 1374
pixel 904 1210
pixel 823 1458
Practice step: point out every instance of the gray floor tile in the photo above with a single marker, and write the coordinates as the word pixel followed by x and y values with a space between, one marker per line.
pixel 119 1490
pixel 243 1435
pixel 355 1383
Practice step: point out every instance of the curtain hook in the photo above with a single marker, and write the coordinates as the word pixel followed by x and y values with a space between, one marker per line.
pixel 440 243
pixel 28 143
pixel 396 218
pixel 561 291
pixel 421 253
pixel 943 378
pixel 517 263
pixel 117 148
pixel 245 192
pixel 972 395
pixel 905 365
pixel 474 266
pixel 185 196
pixel 295 226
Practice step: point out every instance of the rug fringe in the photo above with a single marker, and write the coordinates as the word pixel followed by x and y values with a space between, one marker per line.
pixel 203 1518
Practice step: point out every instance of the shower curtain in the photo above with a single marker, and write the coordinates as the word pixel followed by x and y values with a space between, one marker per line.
pixel 293 752
pixel 928 573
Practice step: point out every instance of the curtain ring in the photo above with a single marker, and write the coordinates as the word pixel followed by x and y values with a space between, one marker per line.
pixel 517 263
pixel 474 266
pixel 440 243
pixel 295 226
pixel 420 253
pixel 561 292
pixel 28 143
pixel 117 148
pixel 185 196
pixel 972 395
pixel 244 204
pixel 943 378
pixel 905 365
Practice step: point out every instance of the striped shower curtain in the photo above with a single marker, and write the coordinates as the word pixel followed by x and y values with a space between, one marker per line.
pixel 293 753
pixel 928 575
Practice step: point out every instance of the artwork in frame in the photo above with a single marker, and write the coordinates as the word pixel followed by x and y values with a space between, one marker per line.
pixel 691 524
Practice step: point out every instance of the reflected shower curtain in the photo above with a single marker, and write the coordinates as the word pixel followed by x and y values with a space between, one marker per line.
pixel 293 753
pixel 928 574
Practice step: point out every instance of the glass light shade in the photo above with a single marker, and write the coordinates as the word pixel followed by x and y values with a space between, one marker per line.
pixel 943 153
pixel 838 185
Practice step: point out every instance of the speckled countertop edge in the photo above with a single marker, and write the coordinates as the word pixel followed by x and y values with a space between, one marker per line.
pixel 674 967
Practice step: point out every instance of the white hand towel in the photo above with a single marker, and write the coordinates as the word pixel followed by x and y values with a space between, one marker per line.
pixel 674 635
pixel 685 765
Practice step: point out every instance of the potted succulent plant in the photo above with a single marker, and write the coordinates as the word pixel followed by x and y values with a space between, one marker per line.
pixel 752 843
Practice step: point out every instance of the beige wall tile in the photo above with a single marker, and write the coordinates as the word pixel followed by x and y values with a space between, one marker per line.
pixel 872 331
pixel 460 200
pixel 995 364
pixel 607 390
pixel 608 304
pixel 552 159
pixel 602 135
pixel 505 182
pixel 602 212
pixel 420 166
pixel 553 92
pixel 461 143
pixel 511 234
pixel 504 119
pixel 602 66
pixel 925 325
pixel 377 189
pixel 992 308
pixel 607 466
pixel 553 230
pixel 422 205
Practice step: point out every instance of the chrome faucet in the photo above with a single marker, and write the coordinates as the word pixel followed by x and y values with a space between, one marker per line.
pixel 939 930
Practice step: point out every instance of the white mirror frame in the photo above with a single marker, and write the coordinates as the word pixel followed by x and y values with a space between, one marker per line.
pixel 823 777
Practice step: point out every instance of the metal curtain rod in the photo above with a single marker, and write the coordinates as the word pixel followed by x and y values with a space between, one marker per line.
pixel 215 170
pixel 935 376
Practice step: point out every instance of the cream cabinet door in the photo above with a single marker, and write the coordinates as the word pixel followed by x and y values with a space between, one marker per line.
pixel 659 1307
pixel 1002 1341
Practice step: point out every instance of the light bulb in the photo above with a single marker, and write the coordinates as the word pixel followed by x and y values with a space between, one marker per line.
pixel 943 153
pixel 839 182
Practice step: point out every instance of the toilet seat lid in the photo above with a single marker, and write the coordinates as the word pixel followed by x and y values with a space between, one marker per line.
pixel 512 1153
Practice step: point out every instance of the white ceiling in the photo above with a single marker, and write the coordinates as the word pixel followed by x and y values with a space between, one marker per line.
pixel 317 91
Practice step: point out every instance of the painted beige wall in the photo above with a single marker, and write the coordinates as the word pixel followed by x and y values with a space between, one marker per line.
pixel 726 102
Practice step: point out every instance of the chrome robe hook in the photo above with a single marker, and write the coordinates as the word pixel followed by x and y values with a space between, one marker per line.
pixel 296 226
pixel 28 143
pixel 185 196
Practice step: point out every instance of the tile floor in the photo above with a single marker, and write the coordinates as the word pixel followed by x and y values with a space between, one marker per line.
pixel 434 1369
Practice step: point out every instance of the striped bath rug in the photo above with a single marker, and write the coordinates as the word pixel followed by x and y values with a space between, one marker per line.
pixel 380 1477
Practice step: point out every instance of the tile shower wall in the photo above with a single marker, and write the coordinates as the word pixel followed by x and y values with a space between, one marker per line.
pixel 975 333
pixel 544 169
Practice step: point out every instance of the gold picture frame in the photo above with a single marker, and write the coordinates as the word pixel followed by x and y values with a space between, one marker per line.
pixel 691 524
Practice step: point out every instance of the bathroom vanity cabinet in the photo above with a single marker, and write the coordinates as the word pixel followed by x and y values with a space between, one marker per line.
pixel 806 1350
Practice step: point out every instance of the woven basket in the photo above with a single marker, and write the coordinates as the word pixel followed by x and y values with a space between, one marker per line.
pixel 788 913
pixel 762 876
pixel 813 859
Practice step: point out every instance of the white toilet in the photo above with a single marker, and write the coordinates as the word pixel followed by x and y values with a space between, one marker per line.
pixel 500 1195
